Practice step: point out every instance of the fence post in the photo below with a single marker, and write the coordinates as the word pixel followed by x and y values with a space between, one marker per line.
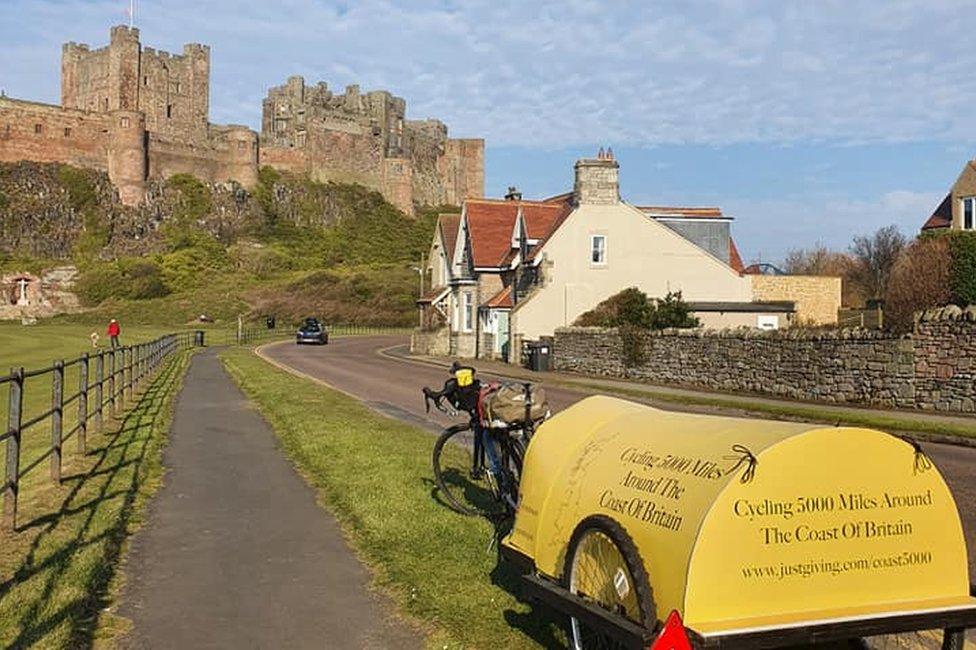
pixel 127 360
pixel 83 404
pixel 57 419
pixel 111 384
pixel 14 418
pixel 99 391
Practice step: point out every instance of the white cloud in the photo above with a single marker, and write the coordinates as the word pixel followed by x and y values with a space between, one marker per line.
pixel 564 73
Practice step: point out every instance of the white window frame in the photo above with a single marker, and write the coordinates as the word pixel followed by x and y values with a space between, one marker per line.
pixel 971 201
pixel 467 312
pixel 593 249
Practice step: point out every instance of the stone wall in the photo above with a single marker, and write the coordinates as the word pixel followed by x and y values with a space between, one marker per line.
pixel 435 343
pixel 933 369
pixel 817 298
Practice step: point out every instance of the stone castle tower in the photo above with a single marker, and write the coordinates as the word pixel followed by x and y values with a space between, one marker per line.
pixel 138 113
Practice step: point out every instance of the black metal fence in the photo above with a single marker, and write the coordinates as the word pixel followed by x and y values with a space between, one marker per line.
pixel 106 381
pixel 255 334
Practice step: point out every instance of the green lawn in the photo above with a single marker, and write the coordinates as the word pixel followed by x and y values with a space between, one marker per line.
pixel 57 571
pixel 38 346
pixel 374 473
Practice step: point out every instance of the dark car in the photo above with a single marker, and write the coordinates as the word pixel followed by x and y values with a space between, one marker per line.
pixel 312 331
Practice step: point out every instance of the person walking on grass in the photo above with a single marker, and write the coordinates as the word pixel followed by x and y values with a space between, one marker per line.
pixel 113 332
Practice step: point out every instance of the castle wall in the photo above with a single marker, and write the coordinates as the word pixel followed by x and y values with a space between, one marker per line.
pixel 45 133
pixel 462 169
pixel 398 183
pixel 139 113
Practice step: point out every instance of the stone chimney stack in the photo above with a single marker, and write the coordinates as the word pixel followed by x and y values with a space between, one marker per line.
pixel 597 180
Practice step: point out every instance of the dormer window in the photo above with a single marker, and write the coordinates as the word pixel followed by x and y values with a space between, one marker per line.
pixel 969 213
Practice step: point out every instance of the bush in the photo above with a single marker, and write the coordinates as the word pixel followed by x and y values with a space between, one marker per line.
pixel 632 308
pixel 919 280
pixel 962 248
pixel 126 278
pixel 634 314
pixel 671 311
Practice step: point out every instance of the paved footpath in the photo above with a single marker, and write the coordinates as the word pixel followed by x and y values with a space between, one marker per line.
pixel 235 552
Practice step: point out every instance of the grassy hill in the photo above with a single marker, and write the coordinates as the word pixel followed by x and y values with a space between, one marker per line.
pixel 290 247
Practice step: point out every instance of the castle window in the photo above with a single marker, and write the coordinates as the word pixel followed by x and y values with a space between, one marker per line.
pixel 145 81
pixel 179 87
pixel 169 111
pixel 105 103
pixel 125 122
pixel 241 145
pixel 6 132
pixel 300 139
pixel 67 131
pixel 38 129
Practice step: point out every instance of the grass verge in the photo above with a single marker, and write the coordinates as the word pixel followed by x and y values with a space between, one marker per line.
pixel 58 570
pixel 374 474
pixel 894 421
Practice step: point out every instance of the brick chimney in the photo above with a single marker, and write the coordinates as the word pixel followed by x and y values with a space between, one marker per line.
pixel 597 180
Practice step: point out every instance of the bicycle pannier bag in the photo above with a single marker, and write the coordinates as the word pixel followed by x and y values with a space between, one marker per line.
pixel 507 404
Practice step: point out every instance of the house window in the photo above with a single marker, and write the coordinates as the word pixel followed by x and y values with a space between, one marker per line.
pixel 969 213
pixel 598 249
pixel 467 312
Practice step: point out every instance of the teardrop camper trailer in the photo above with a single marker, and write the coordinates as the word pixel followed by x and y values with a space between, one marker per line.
pixel 758 533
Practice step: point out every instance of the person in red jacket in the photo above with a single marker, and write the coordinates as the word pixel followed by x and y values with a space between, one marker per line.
pixel 113 332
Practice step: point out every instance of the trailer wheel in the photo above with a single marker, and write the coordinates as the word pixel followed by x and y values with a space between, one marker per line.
pixel 604 567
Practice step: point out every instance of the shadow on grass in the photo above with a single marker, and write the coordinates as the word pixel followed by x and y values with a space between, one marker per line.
pixel 89 505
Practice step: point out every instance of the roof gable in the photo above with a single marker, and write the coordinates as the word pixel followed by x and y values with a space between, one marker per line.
pixel 942 216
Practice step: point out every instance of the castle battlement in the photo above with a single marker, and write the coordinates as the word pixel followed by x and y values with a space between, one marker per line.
pixel 139 112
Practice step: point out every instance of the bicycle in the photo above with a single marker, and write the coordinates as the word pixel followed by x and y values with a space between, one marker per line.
pixel 478 464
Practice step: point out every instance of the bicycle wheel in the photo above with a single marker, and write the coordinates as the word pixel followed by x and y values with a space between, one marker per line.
pixel 464 492
pixel 604 568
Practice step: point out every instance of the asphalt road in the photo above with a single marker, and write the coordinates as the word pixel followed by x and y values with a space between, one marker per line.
pixel 392 386
pixel 235 552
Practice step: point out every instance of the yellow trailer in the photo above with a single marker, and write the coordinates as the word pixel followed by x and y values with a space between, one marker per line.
pixel 758 533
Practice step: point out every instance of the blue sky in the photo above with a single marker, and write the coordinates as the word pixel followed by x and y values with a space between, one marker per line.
pixel 806 121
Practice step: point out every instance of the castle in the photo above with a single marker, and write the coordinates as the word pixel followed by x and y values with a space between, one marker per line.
pixel 138 113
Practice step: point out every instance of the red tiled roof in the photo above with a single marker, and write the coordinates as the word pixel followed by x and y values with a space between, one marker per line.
pixel 735 260
pixel 501 300
pixel 490 226
pixel 540 218
pixel 672 211
pixel 448 223
pixel 491 223
pixel 942 217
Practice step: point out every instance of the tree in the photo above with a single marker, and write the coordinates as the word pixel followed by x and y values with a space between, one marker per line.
pixel 874 257
pixel 919 280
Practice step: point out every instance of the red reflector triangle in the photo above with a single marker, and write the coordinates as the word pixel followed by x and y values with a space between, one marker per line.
pixel 673 636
